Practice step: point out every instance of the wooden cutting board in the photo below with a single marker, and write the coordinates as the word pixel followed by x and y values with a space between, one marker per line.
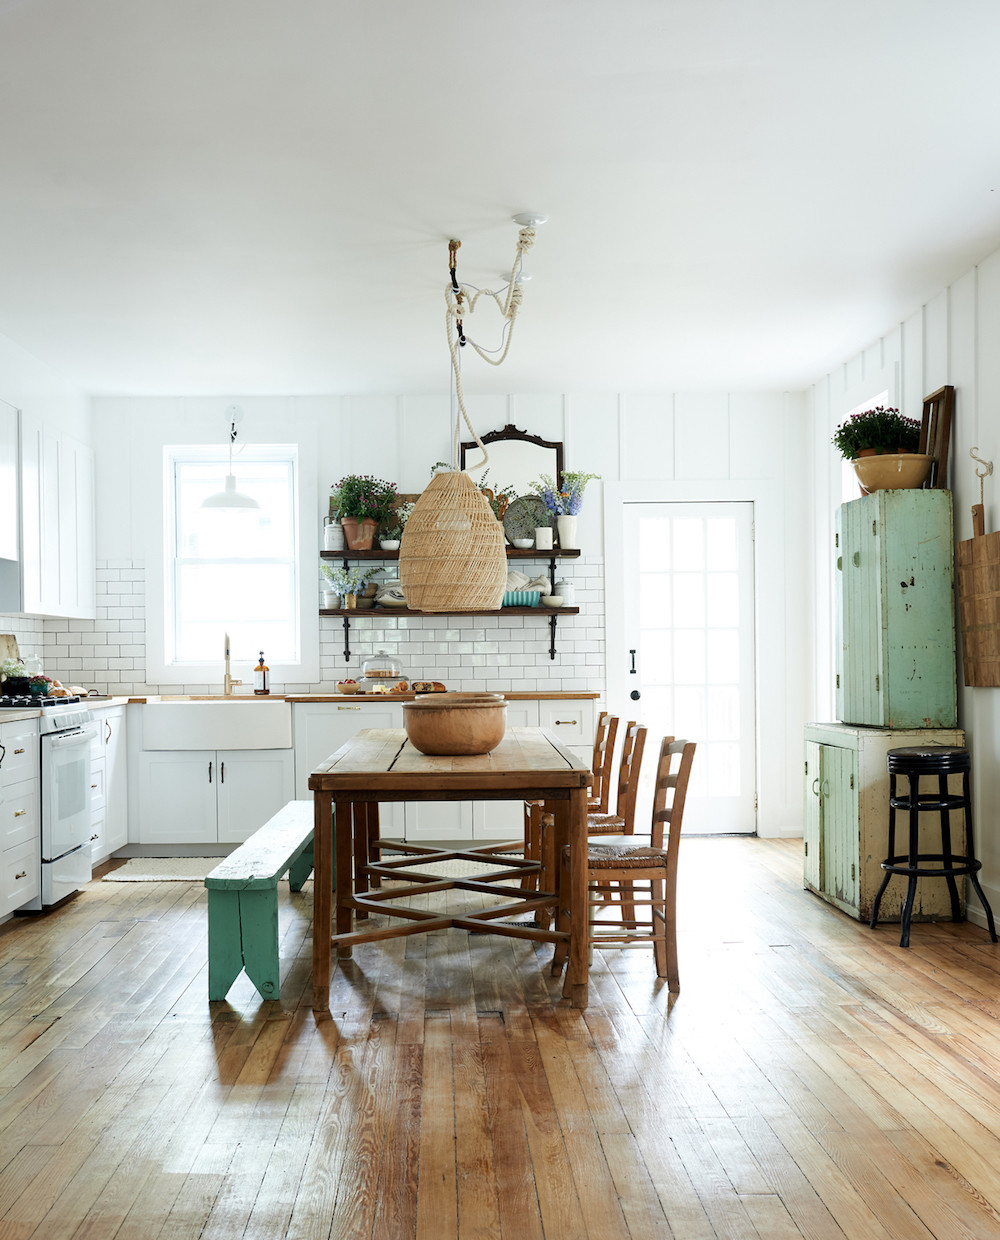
pixel 8 647
pixel 977 568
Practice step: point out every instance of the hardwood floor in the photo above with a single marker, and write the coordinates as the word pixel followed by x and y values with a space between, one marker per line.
pixel 811 1079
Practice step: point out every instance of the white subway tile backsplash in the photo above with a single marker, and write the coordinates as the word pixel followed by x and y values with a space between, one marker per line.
pixel 469 652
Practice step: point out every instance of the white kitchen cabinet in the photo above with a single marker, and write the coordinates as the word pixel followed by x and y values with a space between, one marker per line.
pixel 320 728
pixel 215 796
pixel 10 509
pixel 109 784
pixel 57 541
pixel 20 860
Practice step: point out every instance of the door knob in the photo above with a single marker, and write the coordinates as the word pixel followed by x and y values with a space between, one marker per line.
pixel 635 695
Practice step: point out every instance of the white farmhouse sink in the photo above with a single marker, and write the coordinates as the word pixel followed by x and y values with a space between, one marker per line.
pixel 227 724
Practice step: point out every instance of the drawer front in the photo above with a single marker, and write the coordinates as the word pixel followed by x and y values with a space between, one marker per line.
pixel 19 815
pixel 22 876
pixel 572 723
pixel 20 755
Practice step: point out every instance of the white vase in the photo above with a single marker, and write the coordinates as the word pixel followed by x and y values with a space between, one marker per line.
pixel 543 537
pixel 567 533
pixel 333 536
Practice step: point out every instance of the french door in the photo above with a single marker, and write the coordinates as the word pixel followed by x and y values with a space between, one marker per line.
pixel 687 665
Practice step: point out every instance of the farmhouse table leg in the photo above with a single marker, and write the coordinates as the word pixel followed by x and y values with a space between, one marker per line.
pixel 322 897
pixel 579 913
pixel 557 831
pixel 360 811
pixel 344 812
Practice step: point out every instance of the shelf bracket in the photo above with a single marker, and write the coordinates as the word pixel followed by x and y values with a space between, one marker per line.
pixel 552 642
pixel 347 638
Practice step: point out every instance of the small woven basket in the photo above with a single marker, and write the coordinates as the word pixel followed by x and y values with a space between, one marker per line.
pixel 452 555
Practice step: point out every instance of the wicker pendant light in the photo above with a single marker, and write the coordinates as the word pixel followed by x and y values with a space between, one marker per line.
pixel 452 557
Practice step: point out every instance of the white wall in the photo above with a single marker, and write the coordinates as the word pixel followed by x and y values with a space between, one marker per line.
pixel 952 339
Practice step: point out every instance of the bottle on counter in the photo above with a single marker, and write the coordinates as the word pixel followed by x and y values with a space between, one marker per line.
pixel 262 676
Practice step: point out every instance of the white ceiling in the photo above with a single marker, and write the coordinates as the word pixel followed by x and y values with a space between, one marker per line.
pixel 224 196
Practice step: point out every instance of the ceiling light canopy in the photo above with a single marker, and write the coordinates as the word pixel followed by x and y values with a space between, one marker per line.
pixel 229 497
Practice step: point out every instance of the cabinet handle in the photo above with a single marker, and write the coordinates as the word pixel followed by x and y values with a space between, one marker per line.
pixel 3 753
pixel 107 724
pixel 565 723
pixel 222 772
pixel 93 785
pixel 23 874
pixel 210 772
pixel 348 707
pixel 17 751
pixel 816 787
pixel 19 813
pixel 95 836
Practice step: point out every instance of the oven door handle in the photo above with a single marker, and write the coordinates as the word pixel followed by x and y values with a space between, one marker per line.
pixel 65 740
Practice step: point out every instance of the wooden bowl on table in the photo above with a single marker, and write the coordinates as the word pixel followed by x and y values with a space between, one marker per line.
pixel 456 724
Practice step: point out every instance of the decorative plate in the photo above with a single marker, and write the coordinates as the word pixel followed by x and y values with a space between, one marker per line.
pixel 523 515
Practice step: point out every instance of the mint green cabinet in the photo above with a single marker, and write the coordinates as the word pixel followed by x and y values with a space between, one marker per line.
pixel 895 557
pixel 847 819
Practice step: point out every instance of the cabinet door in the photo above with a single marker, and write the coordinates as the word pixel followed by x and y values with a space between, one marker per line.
pixel 839 823
pixel 812 840
pixel 253 784
pixel 437 820
pixel 116 780
pixel 860 608
pixel 504 820
pixel 177 796
pixel 571 722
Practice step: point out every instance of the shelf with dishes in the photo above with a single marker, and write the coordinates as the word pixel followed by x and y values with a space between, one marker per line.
pixel 513 553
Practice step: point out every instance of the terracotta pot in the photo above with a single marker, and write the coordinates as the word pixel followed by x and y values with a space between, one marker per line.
pixel 360 535
pixel 888 471
pixel 456 723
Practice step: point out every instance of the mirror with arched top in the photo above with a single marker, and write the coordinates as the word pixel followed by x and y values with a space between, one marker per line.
pixel 516 459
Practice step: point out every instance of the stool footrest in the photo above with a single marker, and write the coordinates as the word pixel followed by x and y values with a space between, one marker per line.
pixel 928 802
pixel 915 865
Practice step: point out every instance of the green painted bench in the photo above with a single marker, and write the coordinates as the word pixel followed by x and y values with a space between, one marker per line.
pixel 243 900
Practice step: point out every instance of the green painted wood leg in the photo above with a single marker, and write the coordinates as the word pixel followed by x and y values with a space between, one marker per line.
pixel 300 869
pixel 259 927
pixel 225 952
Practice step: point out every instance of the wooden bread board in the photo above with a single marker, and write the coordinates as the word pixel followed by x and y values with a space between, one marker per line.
pixel 8 647
pixel 977 565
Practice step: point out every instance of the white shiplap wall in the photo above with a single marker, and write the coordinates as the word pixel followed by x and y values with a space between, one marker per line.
pixel 951 339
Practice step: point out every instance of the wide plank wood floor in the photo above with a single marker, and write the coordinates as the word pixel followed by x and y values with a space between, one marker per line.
pixel 812 1078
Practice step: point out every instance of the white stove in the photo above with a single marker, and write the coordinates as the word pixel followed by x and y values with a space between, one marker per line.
pixel 65 731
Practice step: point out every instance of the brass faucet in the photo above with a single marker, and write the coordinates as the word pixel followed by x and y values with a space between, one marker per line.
pixel 227 680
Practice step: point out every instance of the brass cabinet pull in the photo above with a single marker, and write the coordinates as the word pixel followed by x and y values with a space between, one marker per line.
pixel 23 874
pixel 19 813
pixel 95 836
pixel 19 751
pixel 93 785
pixel 348 707
pixel 567 722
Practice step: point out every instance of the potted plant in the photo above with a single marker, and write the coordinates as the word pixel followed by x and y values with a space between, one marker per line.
pixel 564 503
pixel 363 503
pixel 881 445
pixel 347 582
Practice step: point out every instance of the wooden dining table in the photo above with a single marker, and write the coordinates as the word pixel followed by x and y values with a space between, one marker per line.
pixel 379 765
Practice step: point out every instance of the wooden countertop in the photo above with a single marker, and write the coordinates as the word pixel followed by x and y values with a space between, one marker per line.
pixel 511 695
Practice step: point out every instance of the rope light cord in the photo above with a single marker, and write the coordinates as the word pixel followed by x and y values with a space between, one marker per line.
pixel 461 301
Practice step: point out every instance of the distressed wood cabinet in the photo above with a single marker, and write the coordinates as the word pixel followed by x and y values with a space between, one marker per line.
pixel 896 653
pixel 847 819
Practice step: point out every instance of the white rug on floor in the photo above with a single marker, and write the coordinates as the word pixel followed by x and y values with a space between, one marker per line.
pixel 163 870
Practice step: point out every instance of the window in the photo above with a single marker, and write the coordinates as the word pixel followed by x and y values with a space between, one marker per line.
pixel 231 571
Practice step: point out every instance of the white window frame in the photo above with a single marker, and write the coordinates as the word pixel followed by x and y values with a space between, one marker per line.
pixel 298 675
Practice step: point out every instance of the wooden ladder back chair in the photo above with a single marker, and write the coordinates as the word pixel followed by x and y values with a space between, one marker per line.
pixel 600 790
pixel 654 867
pixel 622 821
pixel 604 756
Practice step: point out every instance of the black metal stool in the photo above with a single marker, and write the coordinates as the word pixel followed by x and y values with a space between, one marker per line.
pixel 942 761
